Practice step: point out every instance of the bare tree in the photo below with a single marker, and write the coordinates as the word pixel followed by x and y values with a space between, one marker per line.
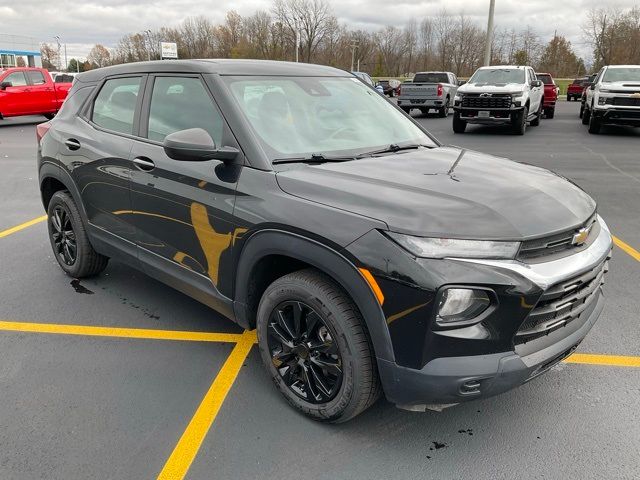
pixel 99 56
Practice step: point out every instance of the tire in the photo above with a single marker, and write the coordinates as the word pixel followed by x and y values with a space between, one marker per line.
pixel 549 112
pixel 86 262
pixel 344 342
pixel 586 115
pixel 459 125
pixel 424 111
pixel 581 111
pixel 594 124
pixel 536 121
pixel 49 116
pixel 444 111
pixel 406 110
pixel 519 121
pixel 392 93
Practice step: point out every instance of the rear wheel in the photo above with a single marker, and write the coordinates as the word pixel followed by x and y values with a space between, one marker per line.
pixel 549 112
pixel 314 344
pixel 69 239
pixel 536 121
pixel 519 121
pixel 443 112
pixel 459 125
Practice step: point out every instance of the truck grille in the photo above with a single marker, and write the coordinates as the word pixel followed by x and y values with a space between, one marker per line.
pixel 624 101
pixel 562 303
pixel 541 248
pixel 494 101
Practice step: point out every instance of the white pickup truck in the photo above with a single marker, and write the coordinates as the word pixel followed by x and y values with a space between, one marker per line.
pixel 500 95
pixel 613 98
pixel 429 90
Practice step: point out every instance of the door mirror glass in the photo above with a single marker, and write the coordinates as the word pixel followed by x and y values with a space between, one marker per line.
pixel 592 86
pixel 5 85
pixel 196 145
pixel 536 83
pixel 461 82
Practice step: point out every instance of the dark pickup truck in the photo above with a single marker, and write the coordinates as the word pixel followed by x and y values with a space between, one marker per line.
pixel 30 91
pixel 370 257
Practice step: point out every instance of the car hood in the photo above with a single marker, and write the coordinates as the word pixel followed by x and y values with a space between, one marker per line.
pixel 446 192
pixel 491 88
pixel 623 85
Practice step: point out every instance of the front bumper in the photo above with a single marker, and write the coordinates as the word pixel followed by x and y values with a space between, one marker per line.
pixel 495 116
pixel 613 115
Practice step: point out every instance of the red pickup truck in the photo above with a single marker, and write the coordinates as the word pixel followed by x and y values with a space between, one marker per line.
pixel 30 91
pixel 575 89
pixel 551 91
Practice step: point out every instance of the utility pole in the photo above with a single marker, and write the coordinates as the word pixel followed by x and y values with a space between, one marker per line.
pixel 487 47
pixel 57 38
pixel 66 64
pixel 354 47
pixel 148 34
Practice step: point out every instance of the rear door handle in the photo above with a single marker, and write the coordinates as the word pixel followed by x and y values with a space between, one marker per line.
pixel 72 144
pixel 144 163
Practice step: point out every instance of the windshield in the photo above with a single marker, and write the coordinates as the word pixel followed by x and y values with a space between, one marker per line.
pixel 431 78
pixel 622 75
pixel 495 76
pixel 329 116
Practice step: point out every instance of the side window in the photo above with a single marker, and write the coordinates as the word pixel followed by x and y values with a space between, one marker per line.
pixel 599 76
pixel 36 77
pixel 17 79
pixel 115 105
pixel 180 103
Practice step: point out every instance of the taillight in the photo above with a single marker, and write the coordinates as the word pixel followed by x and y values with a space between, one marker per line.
pixel 41 130
pixel 440 90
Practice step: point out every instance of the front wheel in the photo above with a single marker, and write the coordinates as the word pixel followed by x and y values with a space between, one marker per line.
pixel 586 115
pixel 594 124
pixel 459 125
pixel 314 344
pixel 519 121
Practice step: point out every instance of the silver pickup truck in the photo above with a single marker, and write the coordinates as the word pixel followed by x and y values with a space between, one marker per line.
pixel 429 90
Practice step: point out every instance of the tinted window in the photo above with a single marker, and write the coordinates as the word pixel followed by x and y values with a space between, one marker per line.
pixel 36 77
pixel 115 105
pixel 179 103
pixel 546 79
pixel 63 79
pixel 431 78
pixel 17 79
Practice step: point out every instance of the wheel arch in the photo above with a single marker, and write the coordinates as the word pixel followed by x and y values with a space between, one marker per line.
pixel 54 179
pixel 269 254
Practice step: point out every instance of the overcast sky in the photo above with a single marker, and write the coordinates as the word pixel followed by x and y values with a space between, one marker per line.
pixel 82 23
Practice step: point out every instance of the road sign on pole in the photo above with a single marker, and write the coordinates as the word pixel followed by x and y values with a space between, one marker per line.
pixel 168 50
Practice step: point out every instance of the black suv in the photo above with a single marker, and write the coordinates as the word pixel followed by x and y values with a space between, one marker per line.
pixel 295 199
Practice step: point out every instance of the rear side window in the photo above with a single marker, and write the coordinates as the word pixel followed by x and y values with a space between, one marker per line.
pixel 17 79
pixel 36 77
pixel 115 105
pixel 431 78
pixel 180 103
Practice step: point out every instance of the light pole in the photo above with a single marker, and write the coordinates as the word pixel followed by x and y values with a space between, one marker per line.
pixel 487 47
pixel 148 34
pixel 354 47
pixel 57 38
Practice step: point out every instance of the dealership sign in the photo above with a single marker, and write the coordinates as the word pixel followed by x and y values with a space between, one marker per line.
pixel 169 50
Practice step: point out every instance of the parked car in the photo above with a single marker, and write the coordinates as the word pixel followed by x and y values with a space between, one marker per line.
pixel 575 88
pixel 369 256
pixel 429 90
pixel 550 94
pixel 613 98
pixel 366 78
pixel 390 87
pixel 583 99
pixel 499 95
pixel 30 91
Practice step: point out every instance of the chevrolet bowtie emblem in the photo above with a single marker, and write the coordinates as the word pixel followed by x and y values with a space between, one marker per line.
pixel 581 236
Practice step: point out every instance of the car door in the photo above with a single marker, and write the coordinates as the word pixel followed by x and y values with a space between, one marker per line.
pixel 94 150
pixel 536 93
pixel 183 210
pixel 16 97
pixel 42 96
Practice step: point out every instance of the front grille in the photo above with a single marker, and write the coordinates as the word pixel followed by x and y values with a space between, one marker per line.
pixel 494 101
pixel 623 101
pixel 563 303
pixel 541 248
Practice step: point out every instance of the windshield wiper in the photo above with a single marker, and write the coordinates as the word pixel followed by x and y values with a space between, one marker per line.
pixel 393 148
pixel 313 158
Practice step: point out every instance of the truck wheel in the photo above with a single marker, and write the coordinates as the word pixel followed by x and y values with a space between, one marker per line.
pixel 586 115
pixel 49 116
pixel 519 121
pixel 549 112
pixel 594 124
pixel 536 121
pixel 406 110
pixel 69 239
pixel 459 125
pixel 581 111
pixel 314 344
pixel 444 111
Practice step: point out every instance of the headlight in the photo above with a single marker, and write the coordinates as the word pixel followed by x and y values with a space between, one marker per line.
pixel 461 305
pixel 517 98
pixel 427 247
pixel 458 97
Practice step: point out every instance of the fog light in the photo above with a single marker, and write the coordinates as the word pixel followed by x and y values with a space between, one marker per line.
pixel 602 100
pixel 461 305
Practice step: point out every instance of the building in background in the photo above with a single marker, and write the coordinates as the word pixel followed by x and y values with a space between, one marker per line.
pixel 19 50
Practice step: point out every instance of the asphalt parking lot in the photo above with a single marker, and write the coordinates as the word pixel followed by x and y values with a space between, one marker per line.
pixel 121 377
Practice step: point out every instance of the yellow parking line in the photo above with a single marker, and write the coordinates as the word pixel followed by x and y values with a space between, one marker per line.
pixel 607 360
pixel 22 226
pixel 187 448
pixel 627 248
pixel 119 332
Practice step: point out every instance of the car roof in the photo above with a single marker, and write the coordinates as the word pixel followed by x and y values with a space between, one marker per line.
pixel 215 66
pixel 493 67
pixel 623 66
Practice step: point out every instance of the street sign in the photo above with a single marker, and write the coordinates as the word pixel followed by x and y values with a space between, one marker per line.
pixel 169 50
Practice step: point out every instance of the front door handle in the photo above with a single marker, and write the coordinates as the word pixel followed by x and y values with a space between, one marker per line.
pixel 144 163
pixel 72 144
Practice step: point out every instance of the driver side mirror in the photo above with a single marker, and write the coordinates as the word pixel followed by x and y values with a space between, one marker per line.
pixel 196 145
pixel 461 82
pixel 592 86
pixel 536 83
pixel 4 85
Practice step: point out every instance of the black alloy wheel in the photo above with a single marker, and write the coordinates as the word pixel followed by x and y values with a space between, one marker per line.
pixel 304 353
pixel 63 236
